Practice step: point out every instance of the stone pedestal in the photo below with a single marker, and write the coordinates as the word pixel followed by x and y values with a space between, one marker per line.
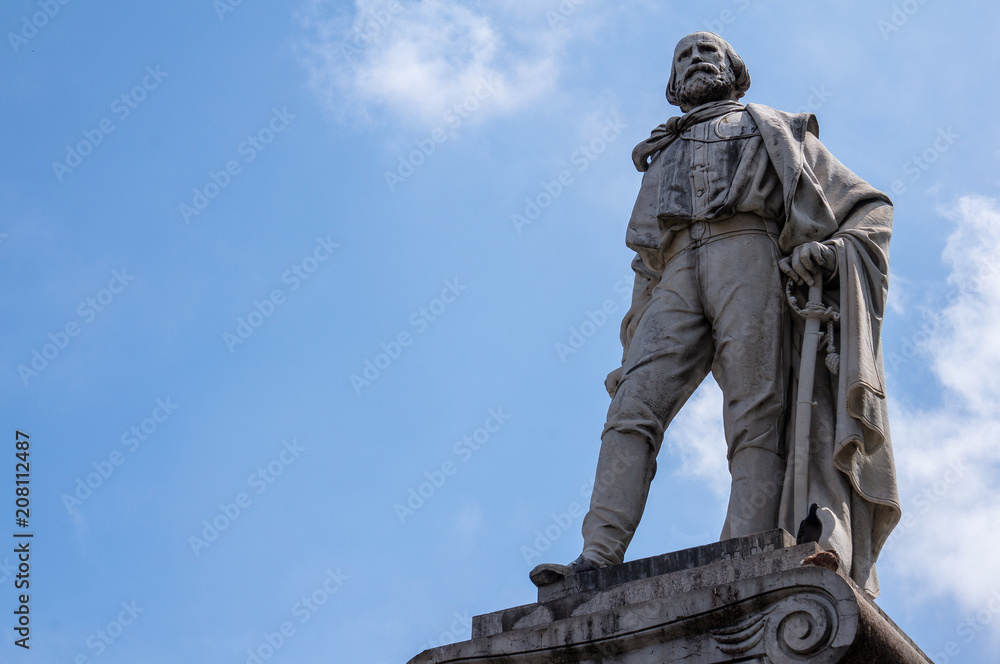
pixel 747 599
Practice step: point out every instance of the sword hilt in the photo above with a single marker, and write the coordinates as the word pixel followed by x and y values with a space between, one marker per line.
pixel 814 307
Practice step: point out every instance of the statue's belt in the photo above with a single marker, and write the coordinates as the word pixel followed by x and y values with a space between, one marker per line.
pixel 681 238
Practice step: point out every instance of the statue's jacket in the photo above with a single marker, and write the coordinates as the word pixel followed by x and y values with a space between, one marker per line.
pixel 782 171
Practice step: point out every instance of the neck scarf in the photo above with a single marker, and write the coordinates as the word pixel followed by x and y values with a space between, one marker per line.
pixel 668 132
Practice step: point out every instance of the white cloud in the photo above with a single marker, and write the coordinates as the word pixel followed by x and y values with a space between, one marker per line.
pixel 969 361
pixel 898 291
pixel 423 60
pixel 948 456
pixel 698 438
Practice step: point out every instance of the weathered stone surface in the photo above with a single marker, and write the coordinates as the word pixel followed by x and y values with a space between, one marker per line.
pixel 746 231
pixel 747 599
pixel 737 548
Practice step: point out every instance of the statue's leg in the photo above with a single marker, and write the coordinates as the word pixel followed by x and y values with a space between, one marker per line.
pixel 624 470
pixel 745 302
pixel 669 356
pixel 754 499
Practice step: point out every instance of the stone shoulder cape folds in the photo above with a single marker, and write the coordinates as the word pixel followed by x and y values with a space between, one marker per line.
pixel 826 202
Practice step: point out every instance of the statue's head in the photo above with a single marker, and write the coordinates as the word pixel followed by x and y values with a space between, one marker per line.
pixel 705 69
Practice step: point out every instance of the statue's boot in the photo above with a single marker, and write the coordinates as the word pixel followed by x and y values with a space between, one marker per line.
pixel 755 496
pixel 625 468
pixel 548 573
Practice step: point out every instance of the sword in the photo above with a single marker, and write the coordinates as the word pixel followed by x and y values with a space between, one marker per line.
pixel 814 313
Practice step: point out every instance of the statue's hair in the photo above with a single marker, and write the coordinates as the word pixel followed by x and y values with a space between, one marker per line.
pixel 739 68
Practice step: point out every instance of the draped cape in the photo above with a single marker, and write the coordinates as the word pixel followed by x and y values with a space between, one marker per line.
pixel 826 202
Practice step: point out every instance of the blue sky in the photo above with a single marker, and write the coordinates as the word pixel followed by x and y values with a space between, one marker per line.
pixel 218 217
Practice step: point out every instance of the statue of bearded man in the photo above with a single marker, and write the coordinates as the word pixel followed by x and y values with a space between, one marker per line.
pixel 734 201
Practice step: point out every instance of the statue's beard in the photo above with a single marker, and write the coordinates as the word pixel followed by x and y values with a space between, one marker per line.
pixel 697 90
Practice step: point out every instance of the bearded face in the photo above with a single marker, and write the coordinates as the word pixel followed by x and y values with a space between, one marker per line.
pixel 705 82
pixel 702 71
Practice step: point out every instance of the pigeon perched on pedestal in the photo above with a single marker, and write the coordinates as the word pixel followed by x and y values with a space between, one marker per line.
pixel 811 528
pixel 828 559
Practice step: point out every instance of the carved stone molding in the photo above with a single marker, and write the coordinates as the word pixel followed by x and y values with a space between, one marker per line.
pixel 762 608
pixel 797 627
pixel 800 627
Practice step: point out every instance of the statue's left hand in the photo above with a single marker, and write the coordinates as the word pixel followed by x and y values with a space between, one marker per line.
pixel 806 262
pixel 611 382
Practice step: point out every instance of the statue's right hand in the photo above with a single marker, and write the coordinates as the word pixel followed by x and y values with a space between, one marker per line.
pixel 807 261
pixel 611 382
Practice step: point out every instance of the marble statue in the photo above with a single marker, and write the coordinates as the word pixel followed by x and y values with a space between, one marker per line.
pixel 737 203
